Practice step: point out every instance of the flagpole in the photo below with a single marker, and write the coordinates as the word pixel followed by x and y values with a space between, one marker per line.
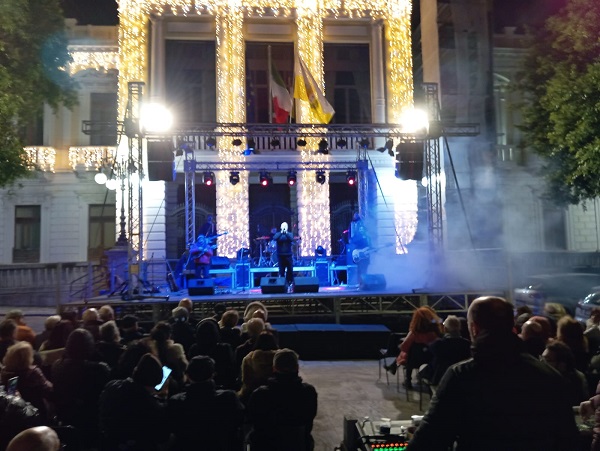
pixel 270 68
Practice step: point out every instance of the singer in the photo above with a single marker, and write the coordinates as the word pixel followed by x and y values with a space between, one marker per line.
pixel 284 240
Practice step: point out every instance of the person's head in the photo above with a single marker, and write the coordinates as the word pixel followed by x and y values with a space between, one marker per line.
pixel 51 321
pixel 131 356
pixel 570 331
pixel 180 314
pixel 554 310
pixel 8 329
pixel 252 307
pixel 148 371
pixel 266 342
pixel 259 314
pixel 201 241
pixel 90 316
pixel 80 345
pixel 186 303
pixel 546 325
pixel 285 361
pixel 425 319
pixel 219 309
pixel 255 327
pixel 19 357
pixel 59 334
pixel 109 332
pixel 490 314
pixel 452 325
pixel 595 316
pixel 207 332
pixel 284 227
pixel 106 313
pixel 523 309
pixel 40 438
pixel 521 319
pixel 532 330
pixel 161 332
pixel 16 315
pixel 558 355
pixel 230 318
pixel 201 368
pixel 129 323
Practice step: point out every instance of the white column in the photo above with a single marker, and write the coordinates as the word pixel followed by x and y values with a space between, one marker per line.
pixel 377 82
pixel 157 59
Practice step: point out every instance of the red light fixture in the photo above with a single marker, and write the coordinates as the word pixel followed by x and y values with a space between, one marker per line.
pixel 209 178
pixel 291 178
pixel 265 178
pixel 351 178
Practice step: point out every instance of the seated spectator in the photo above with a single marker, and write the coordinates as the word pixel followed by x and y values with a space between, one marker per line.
pixel 189 306
pixel 248 315
pixel 78 382
pixel 106 313
pixel 40 438
pixel 282 412
pixel 130 331
pixel 257 366
pixel 90 320
pixel 230 332
pixel 534 338
pixel 256 326
pixel 24 332
pixel 31 384
pixel 183 332
pixel 208 343
pixel 131 416
pixel 130 358
pixel 8 336
pixel 219 309
pixel 54 347
pixel 560 357
pixel 570 332
pixel 17 415
pixel 109 348
pixel 202 417
pixel 169 353
pixel 49 324
pixel 446 351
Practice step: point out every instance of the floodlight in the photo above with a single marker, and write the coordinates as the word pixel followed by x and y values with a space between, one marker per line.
pixel 209 178
pixel 351 178
pixel 155 118
pixel 234 177
pixel 291 178
pixel 320 177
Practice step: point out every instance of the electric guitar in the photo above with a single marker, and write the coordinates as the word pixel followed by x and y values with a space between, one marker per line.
pixel 212 237
pixel 364 253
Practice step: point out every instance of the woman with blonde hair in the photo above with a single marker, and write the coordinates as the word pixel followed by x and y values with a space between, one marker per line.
pixel 31 383
pixel 425 328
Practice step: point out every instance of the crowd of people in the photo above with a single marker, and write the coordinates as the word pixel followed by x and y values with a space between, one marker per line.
pixel 187 383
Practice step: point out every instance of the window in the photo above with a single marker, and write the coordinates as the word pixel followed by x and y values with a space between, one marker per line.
pixel 27 234
pixel 555 233
pixel 102 230
pixel 104 115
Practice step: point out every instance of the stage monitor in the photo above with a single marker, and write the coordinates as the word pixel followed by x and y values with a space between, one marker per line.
pixel 201 287
pixel 273 285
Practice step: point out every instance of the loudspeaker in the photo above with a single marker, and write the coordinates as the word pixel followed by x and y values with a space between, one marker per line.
pixel 217 262
pixel 410 161
pixel 373 282
pixel 273 285
pixel 352 275
pixel 200 287
pixel 161 161
pixel 306 285
pixel 160 170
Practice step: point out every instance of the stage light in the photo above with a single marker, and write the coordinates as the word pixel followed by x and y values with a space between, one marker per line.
pixel 209 178
pixel 320 251
pixel 155 118
pixel 236 142
pixel 265 178
pixel 364 143
pixel 234 177
pixel 100 178
pixel 389 146
pixel 211 142
pixel 291 178
pixel 251 147
pixel 351 178
pixel 323 146
pixel 301 142
pixel 320 177
pixel 275 142
pixel 341 143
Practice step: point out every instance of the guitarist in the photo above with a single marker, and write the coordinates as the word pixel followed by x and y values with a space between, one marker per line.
pixel 209 230
pixel 201 251
pixel 361 243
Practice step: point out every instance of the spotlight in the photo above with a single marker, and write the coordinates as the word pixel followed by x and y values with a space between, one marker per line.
pixel 321 251
pixel 324 147
pixel 265 178
pixel 341 143
pixel 320 177
pixel 301 142
pixel 389 146
pixel 251 147
pixel 351 178
pixel 275 142
pixel 211 142
pixel 364 143
pixel 291 178
pixel 236 142
pixel 234 177
pixel 209 178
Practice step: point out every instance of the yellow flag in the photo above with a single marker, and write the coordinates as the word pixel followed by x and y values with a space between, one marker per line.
pixel 306 88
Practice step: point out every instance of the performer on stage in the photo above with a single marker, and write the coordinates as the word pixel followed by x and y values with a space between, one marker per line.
pixel 284 240
pixel 361 244
pixel 201 251
pixel 209 230
pixel 354 224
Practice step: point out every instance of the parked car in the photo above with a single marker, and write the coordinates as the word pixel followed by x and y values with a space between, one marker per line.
pixel 586 305
pixel 566 289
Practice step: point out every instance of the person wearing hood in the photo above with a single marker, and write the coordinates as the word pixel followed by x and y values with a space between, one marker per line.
pixel 257 366
pixel 502 398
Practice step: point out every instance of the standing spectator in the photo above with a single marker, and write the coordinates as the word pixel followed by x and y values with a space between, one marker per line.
pixel 8 336
pixel 203 417
pixel 570 332
pixel 49 324
pixel 106 313
pixel 534 338
pixel 40 438
pixel 130 331
pixel 183 332
pixel 131 416
pixel 90 320
pixel 53 348
pixel 501 381
pixel 24 332
pixel 560 357
pixel 109 348
pixel 281 413
pixel 78 382
pixel 31 384
pixel 257 366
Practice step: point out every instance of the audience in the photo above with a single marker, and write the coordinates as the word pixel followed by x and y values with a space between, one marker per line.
pixel 169 353
pixel 40 438
pixel 589 408
pixel 202 417
pixel 560 357
pixel 255 327
pixel 8 336
pixel 31 384
pixel 24 332
pixel 130 330
pixel 281 413
pixel 183 332
pixel 49 324
pixel 249 314
pixel 257 366
pixel 230 332
pixel 109 348
pixel 534 338
pixel 90 320
pixel 570 332
pixel 502 398
pixel 106 313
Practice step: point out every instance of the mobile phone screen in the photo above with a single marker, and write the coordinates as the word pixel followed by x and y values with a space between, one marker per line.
pixel 166 372
pixel 12 386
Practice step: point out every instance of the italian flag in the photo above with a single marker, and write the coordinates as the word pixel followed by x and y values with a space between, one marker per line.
pixel 282 100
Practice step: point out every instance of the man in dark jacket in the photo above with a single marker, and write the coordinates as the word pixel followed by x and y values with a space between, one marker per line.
pixel 284 240
pixel 281 413
pixel 203 417
pixel 502 398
